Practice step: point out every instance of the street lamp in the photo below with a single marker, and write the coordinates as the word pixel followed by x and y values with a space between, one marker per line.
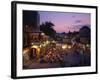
pixel 64 46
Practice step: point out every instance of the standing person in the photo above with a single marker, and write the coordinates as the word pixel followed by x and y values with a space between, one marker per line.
pixel 32 54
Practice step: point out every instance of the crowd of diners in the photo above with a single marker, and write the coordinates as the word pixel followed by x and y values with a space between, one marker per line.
pixel 54 54
pixel 58 55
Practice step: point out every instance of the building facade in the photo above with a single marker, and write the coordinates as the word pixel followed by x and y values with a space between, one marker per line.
pixel 30 25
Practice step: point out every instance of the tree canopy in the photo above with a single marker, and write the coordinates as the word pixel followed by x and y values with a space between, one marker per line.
pixel 47 28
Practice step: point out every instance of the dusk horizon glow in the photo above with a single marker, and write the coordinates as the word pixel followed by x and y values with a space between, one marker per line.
pixel 65 21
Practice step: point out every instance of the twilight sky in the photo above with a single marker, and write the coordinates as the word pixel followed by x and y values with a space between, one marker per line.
pixel 65 21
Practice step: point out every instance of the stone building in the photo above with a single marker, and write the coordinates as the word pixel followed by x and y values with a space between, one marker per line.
pixel 30 25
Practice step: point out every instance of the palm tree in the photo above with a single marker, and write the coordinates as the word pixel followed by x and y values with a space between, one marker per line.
pixel 47 28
